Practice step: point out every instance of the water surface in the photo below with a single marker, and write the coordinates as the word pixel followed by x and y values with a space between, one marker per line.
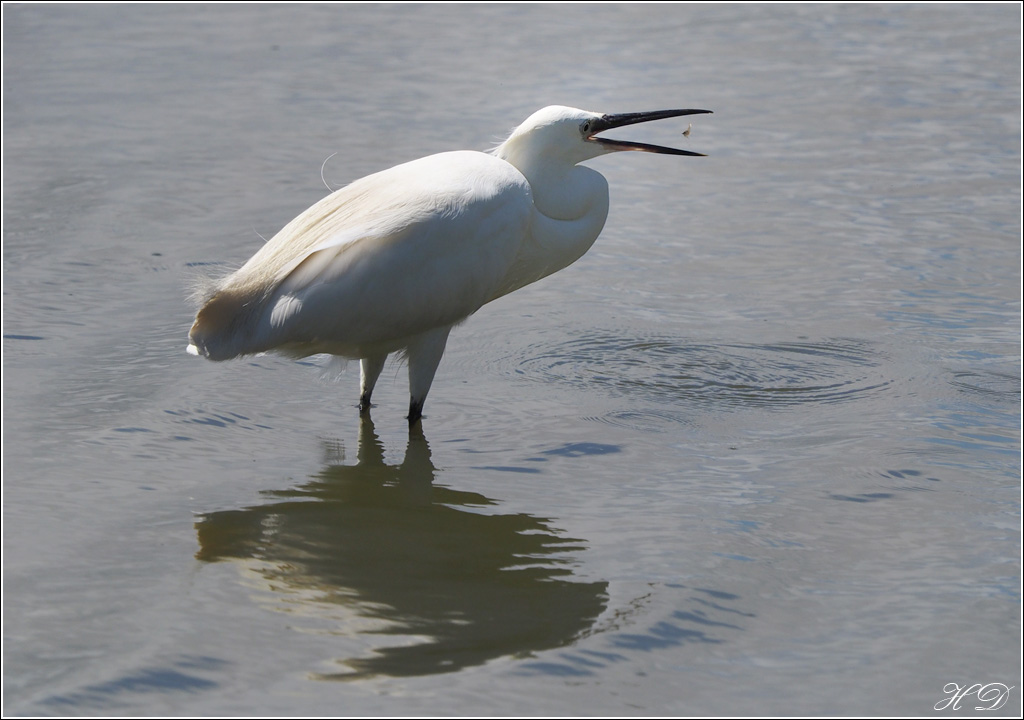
pixel 758 452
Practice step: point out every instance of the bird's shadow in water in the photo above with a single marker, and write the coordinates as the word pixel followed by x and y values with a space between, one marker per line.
pixel 460 585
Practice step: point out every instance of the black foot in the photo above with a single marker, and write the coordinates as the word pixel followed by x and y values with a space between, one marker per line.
pixel 364 405
pixel 415 412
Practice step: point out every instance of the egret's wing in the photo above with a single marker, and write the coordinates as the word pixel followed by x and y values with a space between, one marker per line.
pixel 430 260
pixel 323 262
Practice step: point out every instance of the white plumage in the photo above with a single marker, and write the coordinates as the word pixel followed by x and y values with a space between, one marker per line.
pixel 394 260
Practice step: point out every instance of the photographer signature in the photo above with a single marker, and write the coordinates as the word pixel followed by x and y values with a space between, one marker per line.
pixel 994 694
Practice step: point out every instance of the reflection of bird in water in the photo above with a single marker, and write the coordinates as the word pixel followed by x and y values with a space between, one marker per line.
pixel 384 541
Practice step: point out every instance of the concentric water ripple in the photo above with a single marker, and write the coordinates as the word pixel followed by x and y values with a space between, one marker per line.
pixel 726 375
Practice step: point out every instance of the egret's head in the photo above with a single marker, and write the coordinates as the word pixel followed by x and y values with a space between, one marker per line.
pixel 570 135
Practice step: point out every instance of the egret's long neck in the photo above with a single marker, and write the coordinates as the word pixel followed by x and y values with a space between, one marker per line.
pixel 571 204
pixel 561 190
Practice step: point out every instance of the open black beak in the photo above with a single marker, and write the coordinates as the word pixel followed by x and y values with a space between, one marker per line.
pixel 608 122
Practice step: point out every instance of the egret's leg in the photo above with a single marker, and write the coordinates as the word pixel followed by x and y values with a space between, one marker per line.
pixel 369 371
pixel 424 354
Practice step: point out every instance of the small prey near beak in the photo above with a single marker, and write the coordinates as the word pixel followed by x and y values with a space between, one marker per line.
pixel 609 122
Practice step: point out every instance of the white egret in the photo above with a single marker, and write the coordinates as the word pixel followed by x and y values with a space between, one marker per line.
pixel 391 262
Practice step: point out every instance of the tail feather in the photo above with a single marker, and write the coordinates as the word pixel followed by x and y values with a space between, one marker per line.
pixel 224 326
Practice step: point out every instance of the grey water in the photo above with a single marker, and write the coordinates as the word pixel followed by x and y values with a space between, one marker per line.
pixel 758 452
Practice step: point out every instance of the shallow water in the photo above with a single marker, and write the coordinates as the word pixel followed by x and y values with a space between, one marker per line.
pixel 757 452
